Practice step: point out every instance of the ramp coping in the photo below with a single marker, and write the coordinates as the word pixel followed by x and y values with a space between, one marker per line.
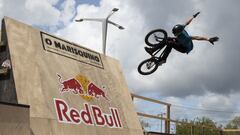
pixel 14 104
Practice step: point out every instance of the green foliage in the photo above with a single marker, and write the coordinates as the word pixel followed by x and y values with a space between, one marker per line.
pixel 196 127
pixel 234 124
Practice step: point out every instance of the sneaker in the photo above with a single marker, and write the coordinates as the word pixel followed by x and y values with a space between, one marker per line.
pixel 162 62
pixel 149 50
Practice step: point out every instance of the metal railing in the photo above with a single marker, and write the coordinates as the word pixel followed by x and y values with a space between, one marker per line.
pixel 193 127
pixel 167 119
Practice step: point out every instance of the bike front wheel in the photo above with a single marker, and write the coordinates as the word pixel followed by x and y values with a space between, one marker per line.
pixel 148 66
pixel 156 37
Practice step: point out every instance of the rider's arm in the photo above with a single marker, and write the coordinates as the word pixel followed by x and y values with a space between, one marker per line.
pixel 190 20
pixel 211 40
pixel 199 38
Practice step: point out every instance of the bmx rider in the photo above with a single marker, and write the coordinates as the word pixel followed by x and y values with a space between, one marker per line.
pixel 182 41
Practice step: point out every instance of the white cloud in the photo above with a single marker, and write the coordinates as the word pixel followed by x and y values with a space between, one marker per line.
pixel 68 11
pixel 87 34
pixel 90 33
pixel 37 12
pixel 40 12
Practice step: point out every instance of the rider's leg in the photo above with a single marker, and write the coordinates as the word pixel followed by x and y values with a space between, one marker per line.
pixel 153 49
pixel 179 48
pixel 168 50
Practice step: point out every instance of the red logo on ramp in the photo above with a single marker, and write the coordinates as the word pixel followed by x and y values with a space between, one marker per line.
pixel 81 85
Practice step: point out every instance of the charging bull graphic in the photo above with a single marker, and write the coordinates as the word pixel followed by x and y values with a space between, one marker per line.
pixel 70 85
pixel 80 85
pixel 93 90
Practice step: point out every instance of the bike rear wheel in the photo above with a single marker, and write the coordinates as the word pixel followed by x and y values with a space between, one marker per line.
pixel 148 66
pixel 156 37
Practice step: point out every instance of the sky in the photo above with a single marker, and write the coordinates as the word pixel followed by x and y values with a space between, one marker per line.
pixel 206 82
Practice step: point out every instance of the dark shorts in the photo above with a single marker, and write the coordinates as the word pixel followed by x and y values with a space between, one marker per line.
pixel 177 46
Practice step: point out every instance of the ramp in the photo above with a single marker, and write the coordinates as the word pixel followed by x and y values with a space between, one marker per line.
pixel 70 89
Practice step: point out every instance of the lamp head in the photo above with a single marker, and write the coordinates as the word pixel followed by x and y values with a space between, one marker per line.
pixel 115 9
pixel 80 20
pixel 121 27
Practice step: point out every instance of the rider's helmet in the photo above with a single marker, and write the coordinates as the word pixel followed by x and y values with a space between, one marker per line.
pixel 177 29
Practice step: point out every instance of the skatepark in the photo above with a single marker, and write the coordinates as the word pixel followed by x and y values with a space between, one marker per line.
pixel 54 86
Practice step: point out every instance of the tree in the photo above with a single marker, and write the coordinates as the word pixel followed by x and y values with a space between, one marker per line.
pixel 196 127
pixel 234 123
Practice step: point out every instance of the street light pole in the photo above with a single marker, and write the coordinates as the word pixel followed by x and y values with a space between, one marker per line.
pixel 161 122
pixel 161 115
pixel 105 22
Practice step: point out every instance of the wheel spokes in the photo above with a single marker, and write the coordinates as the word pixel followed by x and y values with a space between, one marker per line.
pixel 156 38
pixel 150 64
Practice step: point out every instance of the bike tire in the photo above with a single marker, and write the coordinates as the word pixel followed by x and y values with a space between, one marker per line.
pixel 156 43
pixel 150 71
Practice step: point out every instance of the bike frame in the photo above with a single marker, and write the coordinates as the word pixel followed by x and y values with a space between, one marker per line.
pixel 168 39
pixel 155 53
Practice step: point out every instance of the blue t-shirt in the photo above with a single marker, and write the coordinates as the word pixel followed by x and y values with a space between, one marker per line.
pixel 185 40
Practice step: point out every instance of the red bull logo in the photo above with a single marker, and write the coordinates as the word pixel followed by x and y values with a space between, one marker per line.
pixel 81 85
pixel 90 115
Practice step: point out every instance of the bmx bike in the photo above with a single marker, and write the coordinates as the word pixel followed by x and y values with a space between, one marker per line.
pixel 155 38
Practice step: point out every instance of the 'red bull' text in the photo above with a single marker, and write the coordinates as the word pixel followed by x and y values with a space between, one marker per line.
pixel 91 115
